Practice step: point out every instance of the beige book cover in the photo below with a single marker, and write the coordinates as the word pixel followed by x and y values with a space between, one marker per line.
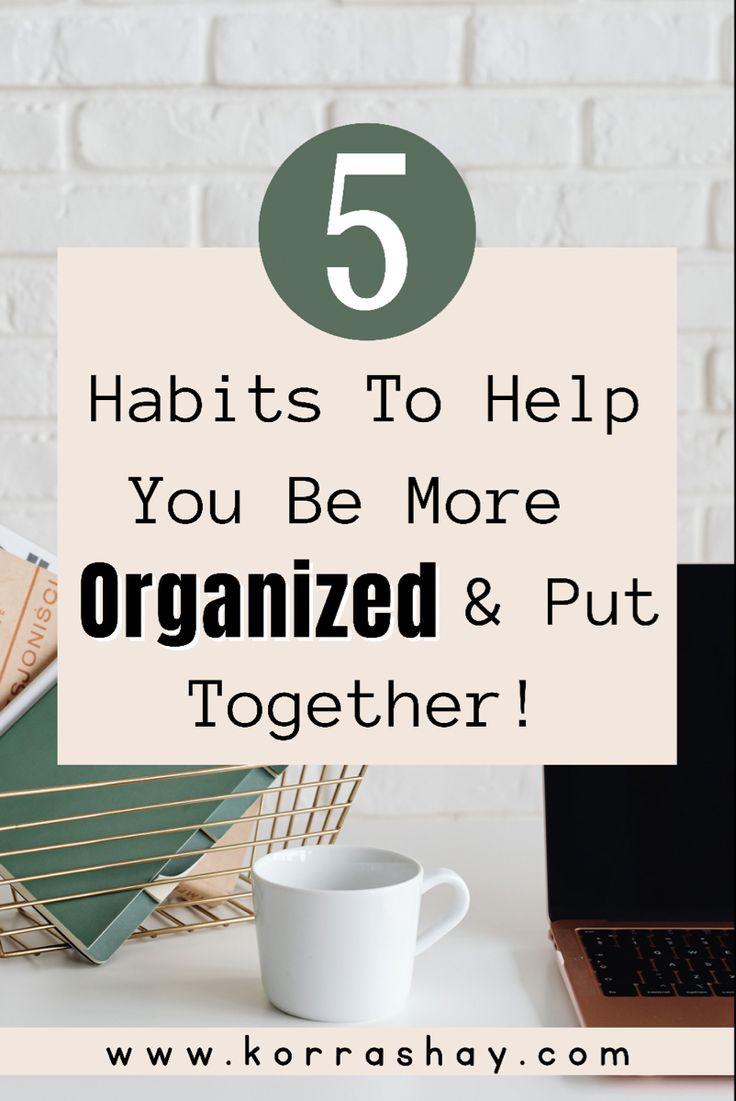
pixel 28 623
pixel 242 833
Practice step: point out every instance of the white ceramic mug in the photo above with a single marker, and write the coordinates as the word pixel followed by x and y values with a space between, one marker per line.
pixel 337 928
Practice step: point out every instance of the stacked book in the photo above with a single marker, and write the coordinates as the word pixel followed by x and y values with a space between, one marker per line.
pixel 95 849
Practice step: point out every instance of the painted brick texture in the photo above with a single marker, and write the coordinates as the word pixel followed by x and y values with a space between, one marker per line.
pixel 159 122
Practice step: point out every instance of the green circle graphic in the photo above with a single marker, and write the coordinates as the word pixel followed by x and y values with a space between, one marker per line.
pixel 428 203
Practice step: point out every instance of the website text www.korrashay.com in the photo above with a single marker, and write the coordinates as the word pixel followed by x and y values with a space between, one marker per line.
pixel 349 1057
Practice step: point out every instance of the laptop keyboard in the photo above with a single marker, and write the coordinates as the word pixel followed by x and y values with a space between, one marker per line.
pixel 657 963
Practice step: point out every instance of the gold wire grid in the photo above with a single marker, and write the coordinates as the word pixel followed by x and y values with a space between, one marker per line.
pixel 305 805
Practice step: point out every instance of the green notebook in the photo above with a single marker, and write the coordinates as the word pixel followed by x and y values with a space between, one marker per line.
pixel 98 925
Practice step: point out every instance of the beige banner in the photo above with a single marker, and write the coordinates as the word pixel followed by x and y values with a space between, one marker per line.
pixel 478 1052
pixel 515 691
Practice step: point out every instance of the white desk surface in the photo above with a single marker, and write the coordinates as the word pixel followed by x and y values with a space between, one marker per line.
pixel 497 969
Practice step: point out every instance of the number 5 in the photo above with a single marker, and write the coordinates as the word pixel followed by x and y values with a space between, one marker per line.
pixel 387 232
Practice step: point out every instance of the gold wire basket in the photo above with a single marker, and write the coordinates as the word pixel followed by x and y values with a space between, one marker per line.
pixel 305 805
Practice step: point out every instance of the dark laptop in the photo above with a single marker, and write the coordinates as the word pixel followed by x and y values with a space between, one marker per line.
pixel 640 859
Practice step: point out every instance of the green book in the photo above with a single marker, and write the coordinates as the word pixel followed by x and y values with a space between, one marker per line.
pixel 43 853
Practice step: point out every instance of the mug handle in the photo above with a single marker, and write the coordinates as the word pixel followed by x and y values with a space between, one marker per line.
pixel 458 911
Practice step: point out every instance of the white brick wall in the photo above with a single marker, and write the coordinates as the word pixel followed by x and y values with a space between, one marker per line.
pixel 576 122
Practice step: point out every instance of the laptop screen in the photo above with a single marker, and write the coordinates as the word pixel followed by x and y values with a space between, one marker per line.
pixel 655 843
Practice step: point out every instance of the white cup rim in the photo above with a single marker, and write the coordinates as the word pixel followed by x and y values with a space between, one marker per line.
pixel 327 852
